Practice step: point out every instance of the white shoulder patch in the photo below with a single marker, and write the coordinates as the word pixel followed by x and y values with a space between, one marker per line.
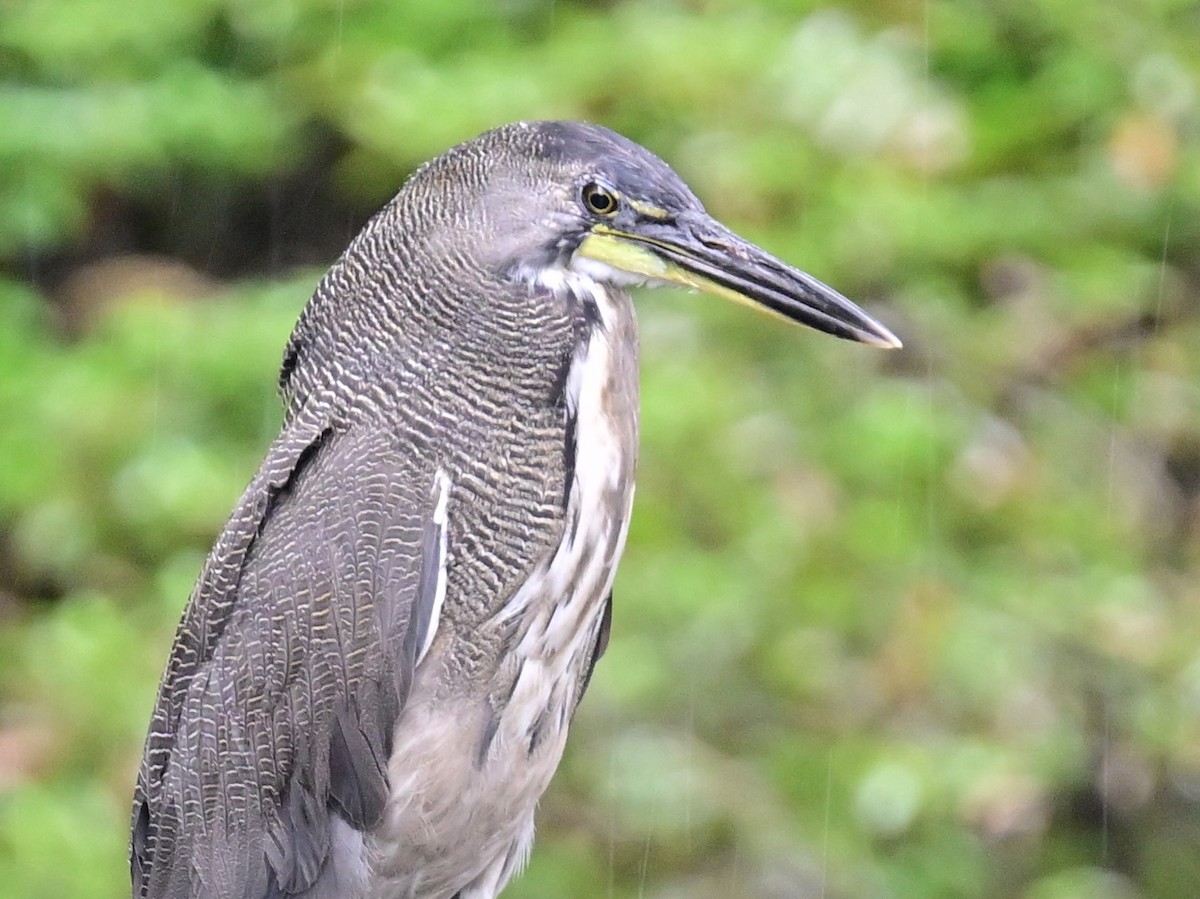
pixel 441 502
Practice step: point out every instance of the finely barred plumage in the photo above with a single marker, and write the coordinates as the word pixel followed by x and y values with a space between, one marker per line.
pixel 371 685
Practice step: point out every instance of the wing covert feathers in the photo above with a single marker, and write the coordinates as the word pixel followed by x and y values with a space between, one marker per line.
pixel 269 744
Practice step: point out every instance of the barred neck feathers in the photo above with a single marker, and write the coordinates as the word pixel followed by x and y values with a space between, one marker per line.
pixel 562 603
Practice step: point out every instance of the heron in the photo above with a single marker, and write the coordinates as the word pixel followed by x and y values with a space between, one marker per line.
pixel 372 681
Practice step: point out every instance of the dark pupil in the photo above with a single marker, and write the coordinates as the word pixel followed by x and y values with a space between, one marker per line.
pixel 599 200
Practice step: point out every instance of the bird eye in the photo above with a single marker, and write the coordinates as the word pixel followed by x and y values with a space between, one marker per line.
pixel 598 199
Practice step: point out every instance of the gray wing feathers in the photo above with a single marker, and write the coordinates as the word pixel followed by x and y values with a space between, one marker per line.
pixel 158 809
pixel 268 750
pixel 357 756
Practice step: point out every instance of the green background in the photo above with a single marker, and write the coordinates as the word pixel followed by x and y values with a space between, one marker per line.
pixel 912 624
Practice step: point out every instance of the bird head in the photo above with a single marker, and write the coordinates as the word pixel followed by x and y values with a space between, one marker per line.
pixel 570 197
pixel 544 203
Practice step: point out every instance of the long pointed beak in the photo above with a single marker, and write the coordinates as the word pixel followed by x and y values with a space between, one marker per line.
pixel 697 251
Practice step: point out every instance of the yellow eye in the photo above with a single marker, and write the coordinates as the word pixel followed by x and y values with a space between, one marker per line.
pixel 599 199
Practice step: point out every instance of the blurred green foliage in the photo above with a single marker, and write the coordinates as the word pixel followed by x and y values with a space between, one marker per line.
pixel 913 624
